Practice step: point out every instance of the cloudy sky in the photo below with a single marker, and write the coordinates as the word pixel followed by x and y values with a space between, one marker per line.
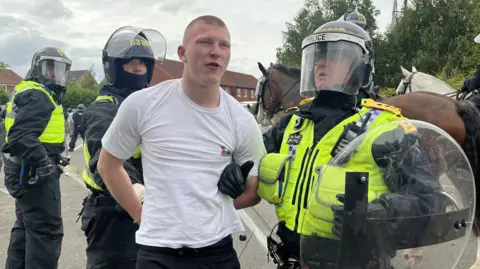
pixel 81 27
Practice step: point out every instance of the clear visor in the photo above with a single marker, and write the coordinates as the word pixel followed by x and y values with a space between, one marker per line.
pixel 335 66
pixel 54 72
pixel 132 42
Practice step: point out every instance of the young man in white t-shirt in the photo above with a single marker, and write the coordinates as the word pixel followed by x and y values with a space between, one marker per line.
pixel 200 154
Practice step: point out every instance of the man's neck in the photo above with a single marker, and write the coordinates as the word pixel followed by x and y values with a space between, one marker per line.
pixel 202 95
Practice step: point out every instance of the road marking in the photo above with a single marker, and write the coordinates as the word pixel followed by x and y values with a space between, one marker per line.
pixel 3 189
pixel 75 149
pixel 259 235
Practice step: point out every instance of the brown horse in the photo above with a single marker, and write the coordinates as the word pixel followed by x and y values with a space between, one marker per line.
pixel 459 118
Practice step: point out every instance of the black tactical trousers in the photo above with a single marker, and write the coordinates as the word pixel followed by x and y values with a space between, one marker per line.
pixel 73 139
pixel 110 235
pixel 36 237
pixel 220 255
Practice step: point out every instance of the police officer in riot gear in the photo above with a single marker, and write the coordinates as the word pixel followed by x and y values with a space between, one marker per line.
pixel 337 62
pixel 355 17
pixel 35 137
pixel 473 83
pixel 128 61
pixel 77 126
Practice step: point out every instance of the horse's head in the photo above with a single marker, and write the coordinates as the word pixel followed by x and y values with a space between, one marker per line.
pixel 405 83
pixel 278 87
pixel 420 82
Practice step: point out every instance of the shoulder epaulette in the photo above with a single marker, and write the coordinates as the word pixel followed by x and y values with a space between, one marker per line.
pixel 407 127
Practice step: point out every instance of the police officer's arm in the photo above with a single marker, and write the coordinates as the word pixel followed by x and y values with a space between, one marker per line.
pixel 119 143
pixel 34 111
pixel 97 120
pixel 249 148
pixel 409 176
pixel 272 139
pixel 476 77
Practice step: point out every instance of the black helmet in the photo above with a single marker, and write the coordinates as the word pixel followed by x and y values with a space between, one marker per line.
pixel 355 17
pixel 51 66
pixel 127 43
pixel 338 56
pixel 81 107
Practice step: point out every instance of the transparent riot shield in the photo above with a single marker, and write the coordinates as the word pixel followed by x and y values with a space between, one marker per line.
pixel 128 42
pixel 251 245
pixel 401 186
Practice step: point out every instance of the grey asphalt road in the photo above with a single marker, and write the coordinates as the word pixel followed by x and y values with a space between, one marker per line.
pixel 252 252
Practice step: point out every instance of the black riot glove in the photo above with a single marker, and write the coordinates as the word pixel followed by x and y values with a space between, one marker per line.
pixel 375 209
pixel 46 171
pixel 233 179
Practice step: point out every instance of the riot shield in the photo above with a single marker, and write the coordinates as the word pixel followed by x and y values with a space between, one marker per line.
pixel 401 185
pixel 123 43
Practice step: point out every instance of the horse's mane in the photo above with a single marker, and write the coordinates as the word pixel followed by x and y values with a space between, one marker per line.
pixel 289 71
pixel 475 99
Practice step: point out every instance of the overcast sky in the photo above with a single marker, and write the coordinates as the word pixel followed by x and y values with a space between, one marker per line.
pixel 81 27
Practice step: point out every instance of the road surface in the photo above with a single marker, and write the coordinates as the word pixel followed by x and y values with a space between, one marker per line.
pixel 252 252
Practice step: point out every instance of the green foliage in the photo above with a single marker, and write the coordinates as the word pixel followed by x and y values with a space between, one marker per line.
pixel 4 65
pixel 4 97
pixel 435 36
pixel 76 95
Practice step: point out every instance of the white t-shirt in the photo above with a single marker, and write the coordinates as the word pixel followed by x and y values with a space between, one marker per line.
pixel 185 148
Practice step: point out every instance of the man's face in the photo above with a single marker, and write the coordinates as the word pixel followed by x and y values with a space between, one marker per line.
pixel 135 66
pixel 206 53
pixel 330 72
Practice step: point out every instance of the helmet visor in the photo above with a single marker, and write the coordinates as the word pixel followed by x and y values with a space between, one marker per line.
pixel 130 42
pixel 54 71
pixel 336 66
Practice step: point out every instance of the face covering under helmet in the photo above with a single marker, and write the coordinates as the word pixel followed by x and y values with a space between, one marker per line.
pixel 126 81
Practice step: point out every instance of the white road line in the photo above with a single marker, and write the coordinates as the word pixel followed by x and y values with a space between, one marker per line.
pixel 3 189
pixel 75 149
pixel 260 236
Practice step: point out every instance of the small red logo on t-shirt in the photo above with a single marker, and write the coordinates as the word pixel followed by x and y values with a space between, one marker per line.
pixel 225 151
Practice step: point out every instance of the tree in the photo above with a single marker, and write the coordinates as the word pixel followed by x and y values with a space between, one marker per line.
pixel 308 19
pixel 4 65
pixel 76 95
pixel 311 16
pixel 4 97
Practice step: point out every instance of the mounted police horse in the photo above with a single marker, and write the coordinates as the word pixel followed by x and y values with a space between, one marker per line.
pixel 433 104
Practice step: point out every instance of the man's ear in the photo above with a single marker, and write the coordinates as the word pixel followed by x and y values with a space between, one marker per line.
pixel 181 53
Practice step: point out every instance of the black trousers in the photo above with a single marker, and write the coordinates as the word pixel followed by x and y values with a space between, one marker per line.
pixel 73 139
pixel 36 237
pixel 110 235
pixel 220 255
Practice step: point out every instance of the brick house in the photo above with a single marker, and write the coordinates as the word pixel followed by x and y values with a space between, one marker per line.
pixel 80 77
pixel 239 85
pixel 9 79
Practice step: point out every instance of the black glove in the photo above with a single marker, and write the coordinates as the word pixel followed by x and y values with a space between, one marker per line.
pixel 46 171
pixel 233 179
pixel 375 210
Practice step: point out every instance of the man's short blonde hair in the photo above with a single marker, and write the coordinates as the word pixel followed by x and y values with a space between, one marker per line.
pixel 207 19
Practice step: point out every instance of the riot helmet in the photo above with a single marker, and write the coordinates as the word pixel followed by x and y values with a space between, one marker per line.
pixel 338 56
pixel 51 67
pixel 81 107
pixel 124 45
pixel 355 17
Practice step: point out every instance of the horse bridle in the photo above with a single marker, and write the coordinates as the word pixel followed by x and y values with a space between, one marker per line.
pixel 407 83
pixel 261 91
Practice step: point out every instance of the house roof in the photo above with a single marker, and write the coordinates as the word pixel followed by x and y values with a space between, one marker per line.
pixel 9 77
pixel 76 74
pixel 171 69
